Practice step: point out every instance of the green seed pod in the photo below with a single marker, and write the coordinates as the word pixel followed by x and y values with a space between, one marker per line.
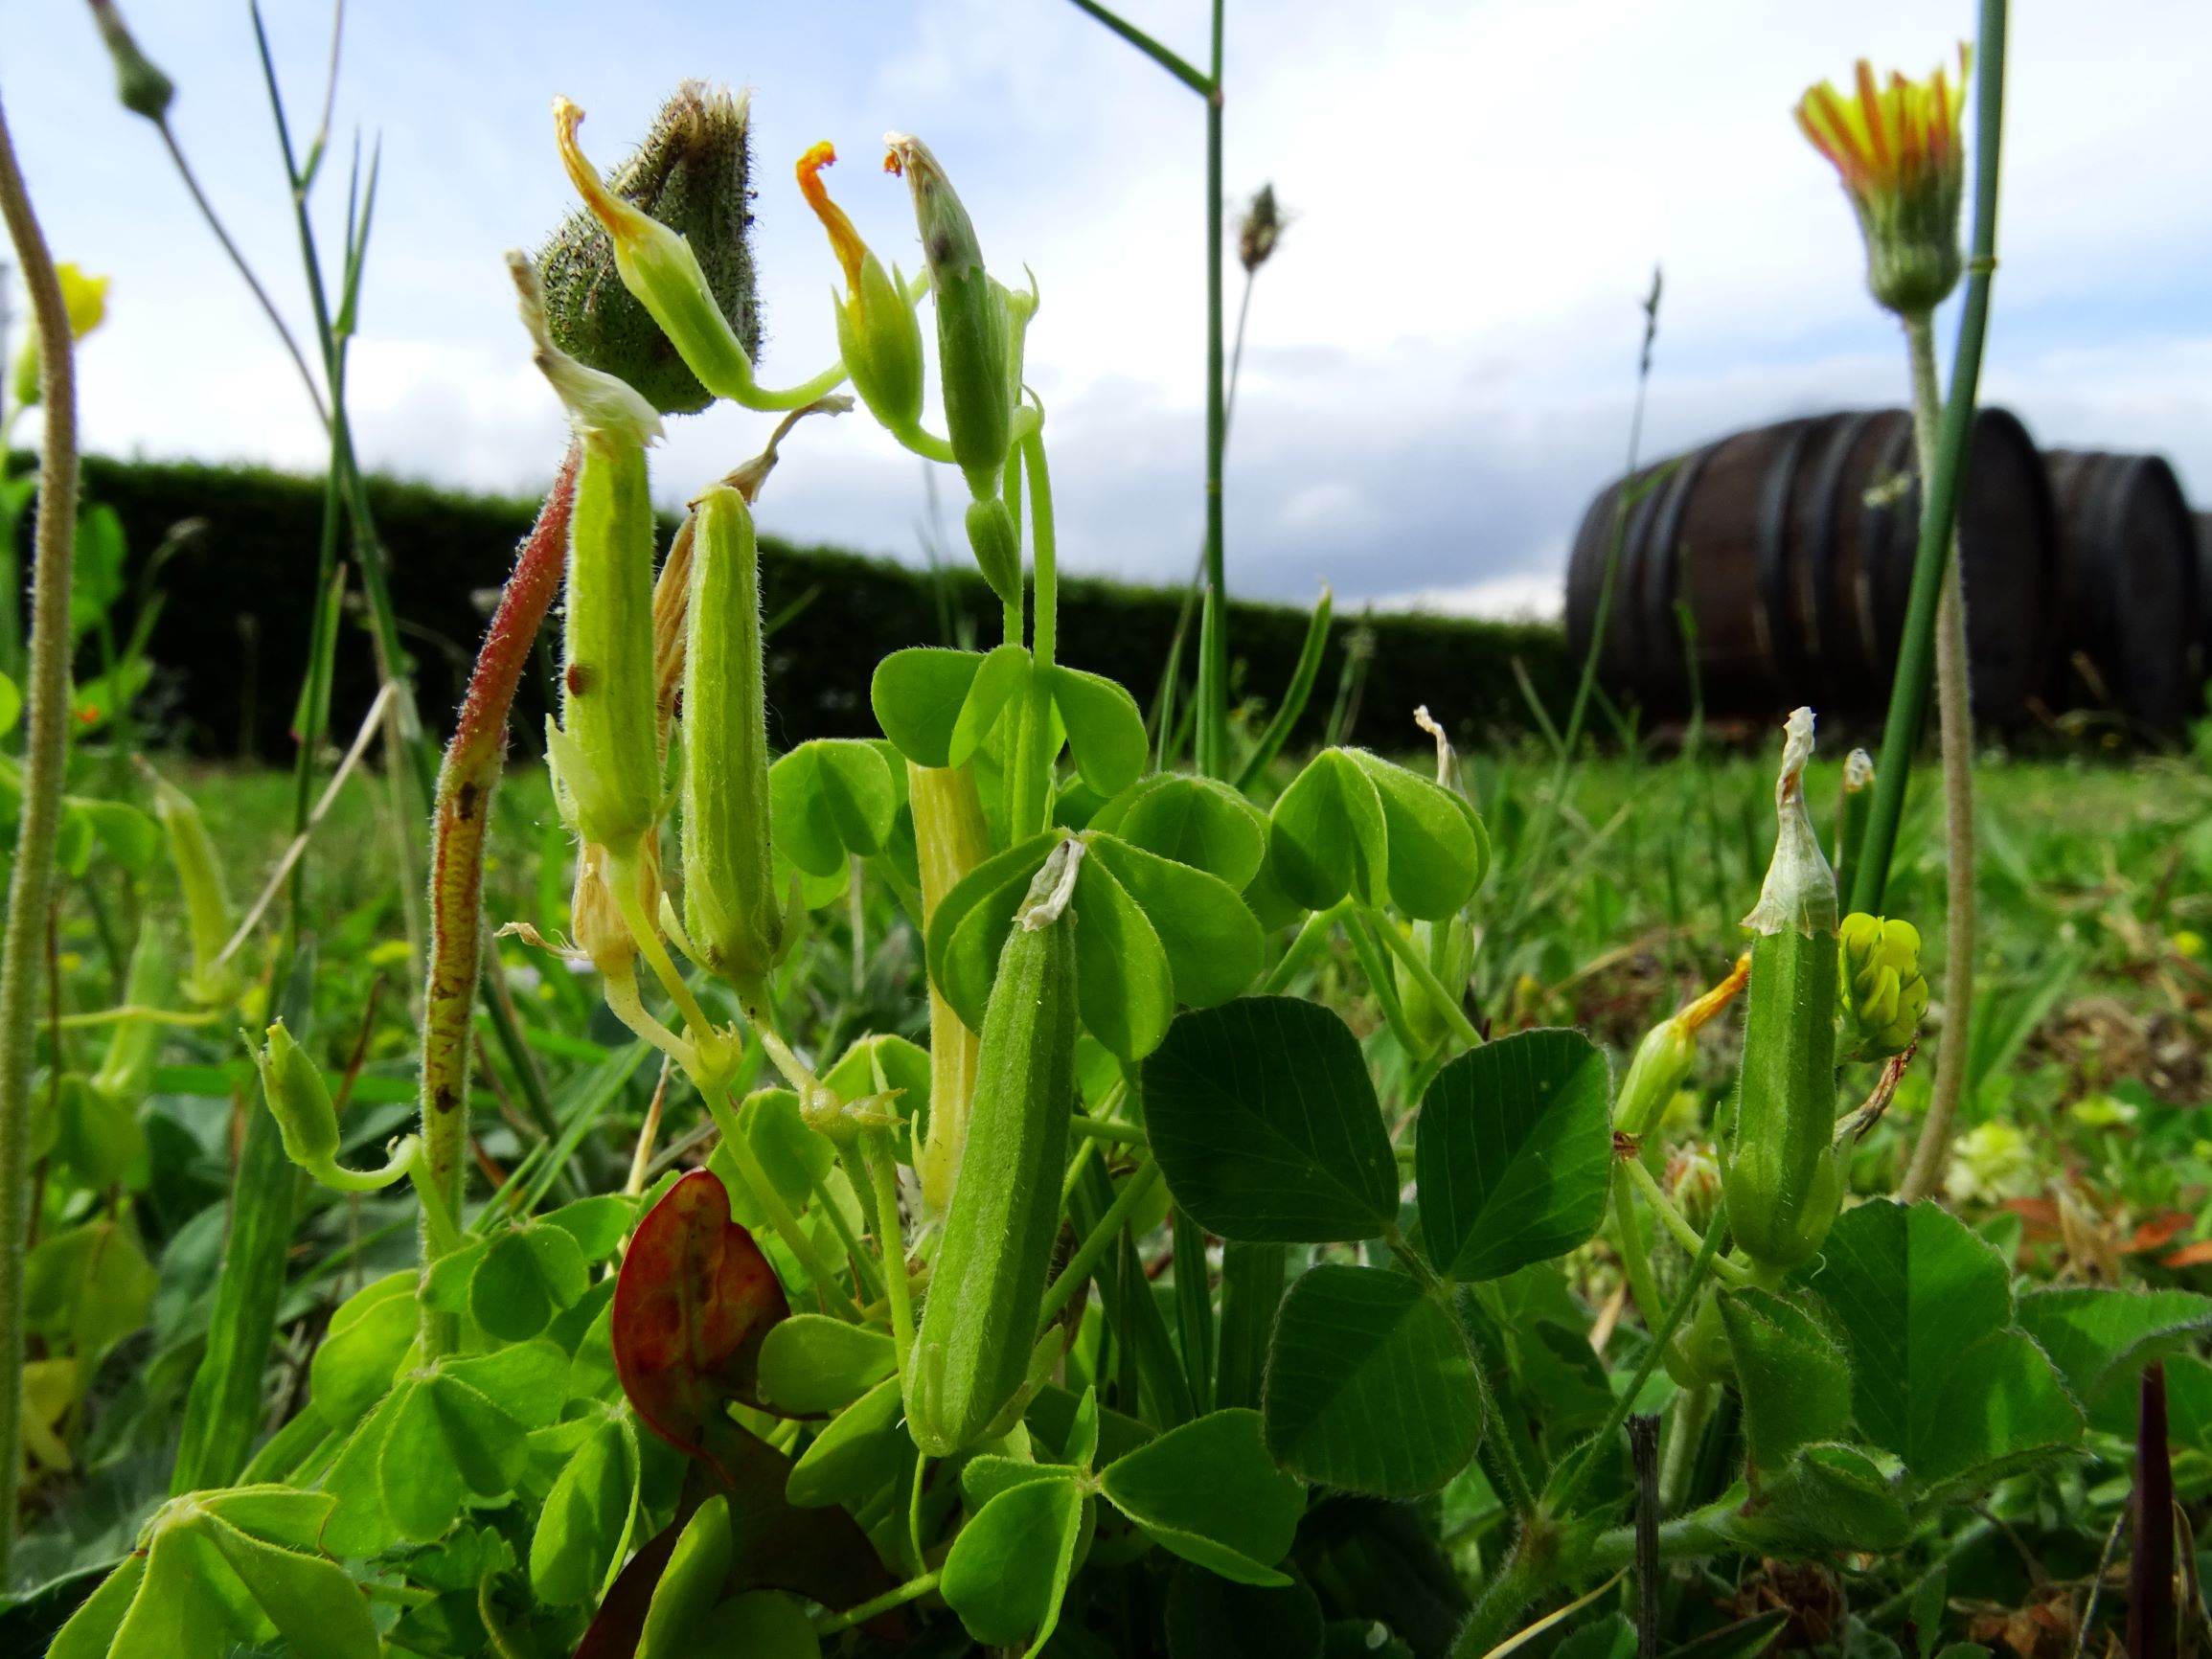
pixel 125 1075
pixel 207 906
pixel 610 749
pixel 997 546
pixel 691 179
pixel 980 1321
pixel 299 1101
pixel 1782 1182
pixel 730 902
pixel 1884 992
pixel 974 337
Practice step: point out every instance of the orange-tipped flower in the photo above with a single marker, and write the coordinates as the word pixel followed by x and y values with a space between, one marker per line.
pixel 1899 151
pixel 876 328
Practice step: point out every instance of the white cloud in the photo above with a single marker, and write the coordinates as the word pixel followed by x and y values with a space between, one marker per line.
pixel 1441 356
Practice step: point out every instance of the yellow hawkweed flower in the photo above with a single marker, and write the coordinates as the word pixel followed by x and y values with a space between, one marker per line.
pixel 85 299
pixel 1899 151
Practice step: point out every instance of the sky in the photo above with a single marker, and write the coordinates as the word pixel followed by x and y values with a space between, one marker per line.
pixel 1440 360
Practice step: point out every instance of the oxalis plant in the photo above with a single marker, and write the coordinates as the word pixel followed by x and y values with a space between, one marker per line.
pixel 1129 1313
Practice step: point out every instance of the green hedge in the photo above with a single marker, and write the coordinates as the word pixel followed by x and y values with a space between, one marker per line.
pixel 231 640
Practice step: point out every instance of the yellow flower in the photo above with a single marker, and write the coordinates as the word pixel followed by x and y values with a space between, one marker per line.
pixel 1899 151
pixel 876 328
pixel 85 299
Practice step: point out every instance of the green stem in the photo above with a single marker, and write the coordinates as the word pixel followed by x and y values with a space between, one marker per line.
pixel 1624 1399
pixel 1954 722
pixel 1361 932
pixel 1214 631
pixel 1086 1254
pixel 1310 936
pixel 1910 692
pixel 1524 1577
pixel 1519 1488
pixel 1194 1309
pixel 764 1193
pixel 1099 1129
pixel 1454 1015
pixel 1036 803
pixel 891 1240
pixel 1700 1245
pixel 44 755
pixel 913 1590
pixel 1160 55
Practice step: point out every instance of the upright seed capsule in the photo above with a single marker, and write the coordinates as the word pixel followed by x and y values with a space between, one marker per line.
pixel 730 901
pixel 972 337
pixel 980 1322
pixel 1782 1182
pixel 199 878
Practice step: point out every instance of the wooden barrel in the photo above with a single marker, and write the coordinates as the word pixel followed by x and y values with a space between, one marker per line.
pixel 2126 587
pixel 1790 547
pixel 2203 600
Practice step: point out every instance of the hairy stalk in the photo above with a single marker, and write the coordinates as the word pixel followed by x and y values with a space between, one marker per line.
pixel 44 750
pixel 1910 692
pixel 1954 723
pixel 473 761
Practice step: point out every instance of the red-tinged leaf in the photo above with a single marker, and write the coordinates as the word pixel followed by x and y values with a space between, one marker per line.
pixel 695 1298
pixel 2159 1232
pixel 2039 1218
pixel 620 1621
pixel 819 1553
pixel 2189 1255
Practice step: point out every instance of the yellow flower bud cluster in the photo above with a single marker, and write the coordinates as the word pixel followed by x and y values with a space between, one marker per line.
pixel 1884 992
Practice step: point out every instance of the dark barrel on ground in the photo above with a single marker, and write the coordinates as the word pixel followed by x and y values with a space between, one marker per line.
pixel 2126 587
pixel 1790 550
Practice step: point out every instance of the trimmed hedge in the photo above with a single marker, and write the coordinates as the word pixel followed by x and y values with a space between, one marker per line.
pixel 231 641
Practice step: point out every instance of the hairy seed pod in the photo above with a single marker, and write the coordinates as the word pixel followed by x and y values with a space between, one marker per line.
pixel 691 178
pixel 1782 1181
pixel 997 545
pixel 730 901
pixel 951 838
pixel 299 1101
pixel 609 752
pixel 125 1075
pixel 979 1323
pixel 973 333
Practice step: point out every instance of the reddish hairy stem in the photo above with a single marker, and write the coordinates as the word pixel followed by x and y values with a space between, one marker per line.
pixel 466 780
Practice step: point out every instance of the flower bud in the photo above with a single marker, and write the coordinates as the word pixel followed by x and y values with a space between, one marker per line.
pixel 85 299
pixel 974 334
pixel 675 216
pixel 730 902
pixel 878 333
pixel 143 89
pixel 1884 992
pixel 1780 1175
pixel 299 1101
pixel 1855 806
pixel 1663 1059
pixel 1447 946
pixel 997 545
pixel 1899 152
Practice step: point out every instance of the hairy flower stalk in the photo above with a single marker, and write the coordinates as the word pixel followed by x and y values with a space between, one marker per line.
pixel 1899 151
pixel 44 752
pixel 470 774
